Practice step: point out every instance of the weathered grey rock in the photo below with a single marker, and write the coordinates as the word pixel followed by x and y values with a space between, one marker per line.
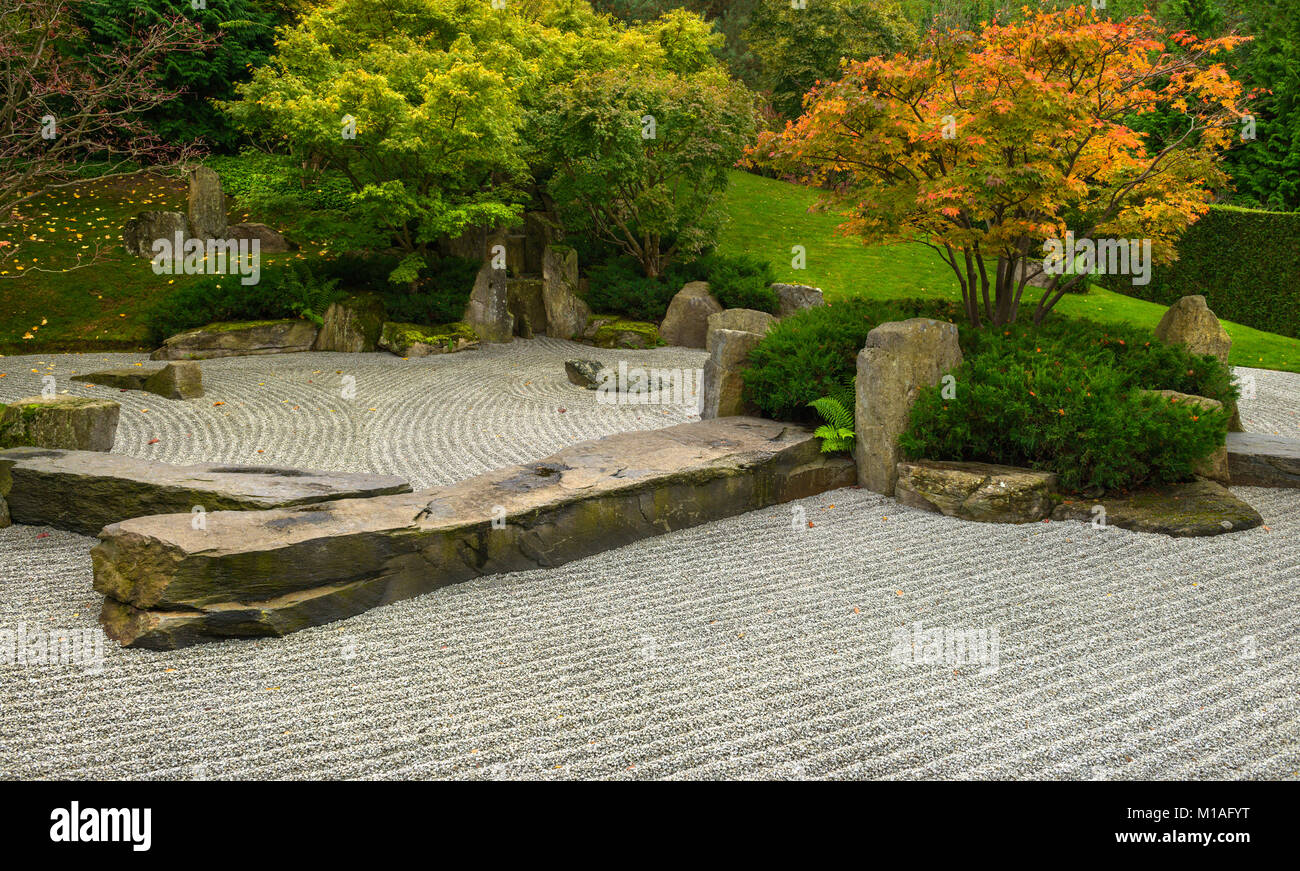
pixel 268 241
pixel 139 233
pixel 84 491
pixel 724 384
pixel 1190 322
pixel 797 297
pixel 413 340
pixel 4 514
pixel 207 204
pixel 1263 460
pixel 267 573
pixel 239 339
pixel 177 380
pixel 745 320
pixel 527 306
pixel 687 322
pixel 899 359
pixel 75 423
pixel 584 373
pixel 6 481
pixel 352 325
pixel 977 491
pixel 1215 466
pixel 566 313
pixel 488 311
pixel 1198 508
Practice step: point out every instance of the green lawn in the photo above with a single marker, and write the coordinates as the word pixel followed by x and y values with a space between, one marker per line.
pixel 769 217
pixel 102 306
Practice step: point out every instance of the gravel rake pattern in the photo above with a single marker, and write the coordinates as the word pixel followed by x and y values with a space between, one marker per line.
pixel 756 646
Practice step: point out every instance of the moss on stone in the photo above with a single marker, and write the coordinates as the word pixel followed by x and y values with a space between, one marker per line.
pixel 611 333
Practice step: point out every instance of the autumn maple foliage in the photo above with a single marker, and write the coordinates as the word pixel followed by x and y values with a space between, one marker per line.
pixel 984 146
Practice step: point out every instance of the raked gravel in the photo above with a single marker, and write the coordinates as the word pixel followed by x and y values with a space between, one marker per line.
pixel 754 647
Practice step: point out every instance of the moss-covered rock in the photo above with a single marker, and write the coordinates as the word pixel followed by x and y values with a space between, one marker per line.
pixel 1198 508
pixel 414 340
pixel 74 423
pixel 608 331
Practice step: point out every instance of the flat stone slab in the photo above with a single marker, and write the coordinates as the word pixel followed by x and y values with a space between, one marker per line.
pixel 1263 460
pixel 176 380
pixel 239 339
pixel 84 491
pixel 1198 508
pixel 271 572
pixel 977 491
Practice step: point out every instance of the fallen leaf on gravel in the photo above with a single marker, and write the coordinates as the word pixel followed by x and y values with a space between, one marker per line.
pixel 154 441
pixel 43 535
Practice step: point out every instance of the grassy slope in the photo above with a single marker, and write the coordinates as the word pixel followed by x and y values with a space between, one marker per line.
pixel 97 307
pixel 768 217
pixel 102 307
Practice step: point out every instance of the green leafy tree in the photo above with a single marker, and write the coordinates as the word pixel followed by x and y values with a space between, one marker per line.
pixel 640 157
pixel 243 32
pixel 799 47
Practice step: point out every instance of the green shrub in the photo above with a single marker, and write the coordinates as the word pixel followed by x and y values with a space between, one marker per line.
pixel 813 353
pixel 1245 262
pixel 618 286
pixel 441 297
pixel 283 291
pixel 735 282
pixel 1064 401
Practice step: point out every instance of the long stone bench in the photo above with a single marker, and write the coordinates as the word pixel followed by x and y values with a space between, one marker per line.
pixel 262 573
pixel 1256 460
pixel 84 491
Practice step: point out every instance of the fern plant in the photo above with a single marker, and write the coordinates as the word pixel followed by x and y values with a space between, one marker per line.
pixel 837 411
pixel 310 296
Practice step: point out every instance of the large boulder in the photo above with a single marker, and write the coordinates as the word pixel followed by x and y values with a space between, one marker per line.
pixel 239 339
pixel 139 233
pixel 724 386
pixel 566 312
pixel 352 325
pixel 207 204
pixel 1190 322
pixel 1214 466
pixel 181 379
pixel 413 340
pixel 73 423
pixel 977 491
pixel 268 241
pixel 84 491
pixel 5 482
pixel 1198 508
pixel 1256 460
pixel 797 297
pixel 745 320
pixel 687 322
pixel 527 305
pixel 255 573
pixel 488 311
pixel 898 359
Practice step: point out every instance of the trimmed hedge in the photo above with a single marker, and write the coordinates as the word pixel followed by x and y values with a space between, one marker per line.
pixel 1245 262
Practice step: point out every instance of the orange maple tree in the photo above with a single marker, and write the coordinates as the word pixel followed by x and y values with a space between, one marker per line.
pixel 985 146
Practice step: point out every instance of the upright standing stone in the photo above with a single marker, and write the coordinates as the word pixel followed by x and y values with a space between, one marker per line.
pixel 566 313
pixel 724 384
pixel 352 325
pixel 687 322
pixel 1189 322
pixel 139 233
pixel 207 205
pixel 899 358
pixel 182 379
pixel 488 311
pixel 746 320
